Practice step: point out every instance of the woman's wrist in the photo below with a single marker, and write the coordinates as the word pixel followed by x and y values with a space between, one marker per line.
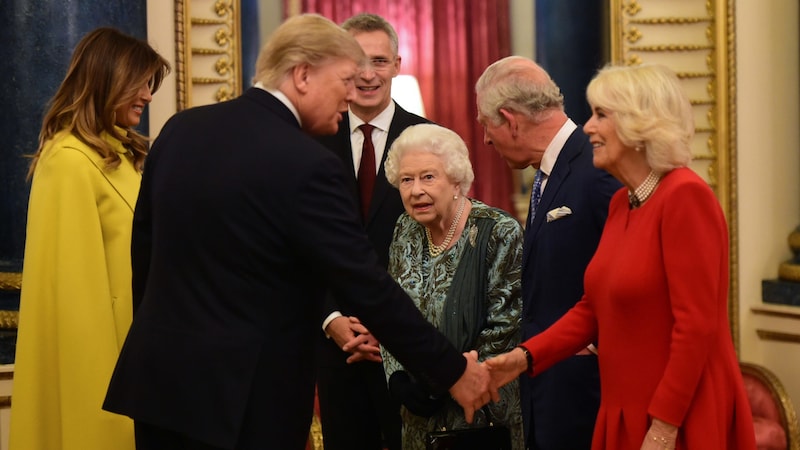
pixel 663 434
pixel 528 365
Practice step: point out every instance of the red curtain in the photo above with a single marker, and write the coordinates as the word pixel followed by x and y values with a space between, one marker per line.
pixel 446 44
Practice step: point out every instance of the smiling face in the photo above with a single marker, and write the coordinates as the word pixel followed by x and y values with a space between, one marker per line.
pixel 426 191
pixel 374 83
pixel 602 131
pixel 328 89
pixel 130 113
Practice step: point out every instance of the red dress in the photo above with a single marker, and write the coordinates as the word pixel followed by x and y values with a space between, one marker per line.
pixel 656 303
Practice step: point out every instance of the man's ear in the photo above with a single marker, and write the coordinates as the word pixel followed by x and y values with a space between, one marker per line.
pixel 300 75
pixel 511 119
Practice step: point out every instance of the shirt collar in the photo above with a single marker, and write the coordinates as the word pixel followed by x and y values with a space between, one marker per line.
pixel 382 121
pixel 283 99
pixel 554 148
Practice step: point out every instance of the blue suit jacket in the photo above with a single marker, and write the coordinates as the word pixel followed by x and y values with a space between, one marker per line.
pixel 560 404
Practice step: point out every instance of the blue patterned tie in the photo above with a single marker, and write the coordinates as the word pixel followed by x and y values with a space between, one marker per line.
pixel 536 194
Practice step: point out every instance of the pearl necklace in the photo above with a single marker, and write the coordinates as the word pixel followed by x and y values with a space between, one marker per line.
pixel 436 250
pixel 645 190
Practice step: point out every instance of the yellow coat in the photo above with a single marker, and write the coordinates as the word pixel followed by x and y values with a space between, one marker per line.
pixel 75 307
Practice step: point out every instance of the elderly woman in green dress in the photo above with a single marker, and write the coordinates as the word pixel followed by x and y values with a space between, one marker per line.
pixel 459 260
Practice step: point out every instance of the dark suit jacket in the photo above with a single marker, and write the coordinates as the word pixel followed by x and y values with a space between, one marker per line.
pixel 386 204
pixel 555 255
pixel 385 208
pixel 242 223
pixel 355 407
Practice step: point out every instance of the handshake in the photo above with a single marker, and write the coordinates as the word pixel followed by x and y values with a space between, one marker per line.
pixel 477 386
pixel 480 381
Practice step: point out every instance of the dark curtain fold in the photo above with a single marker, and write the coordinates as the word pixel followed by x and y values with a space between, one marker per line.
pixel 446 44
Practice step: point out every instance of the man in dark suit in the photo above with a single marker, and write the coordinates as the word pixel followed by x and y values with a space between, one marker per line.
pixel 243 222
pixel 522 112
pixel 356 410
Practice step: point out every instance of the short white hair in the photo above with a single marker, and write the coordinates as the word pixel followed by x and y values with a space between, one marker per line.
pixel 439 141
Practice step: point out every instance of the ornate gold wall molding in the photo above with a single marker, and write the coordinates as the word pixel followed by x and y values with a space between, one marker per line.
pixel 9 320
pixel 208 51
pixel 696 39
pixel 9 281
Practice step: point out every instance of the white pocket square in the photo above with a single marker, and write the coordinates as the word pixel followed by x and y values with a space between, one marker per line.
pixel 555 214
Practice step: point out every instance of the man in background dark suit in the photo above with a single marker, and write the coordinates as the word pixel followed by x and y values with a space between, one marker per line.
pixel 522 112
pixel 242 224
pixel 356 410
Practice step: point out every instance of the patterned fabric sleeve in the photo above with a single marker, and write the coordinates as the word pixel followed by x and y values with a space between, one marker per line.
pixel 502 332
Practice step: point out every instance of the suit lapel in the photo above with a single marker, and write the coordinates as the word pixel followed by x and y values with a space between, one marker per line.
pixel 343 147
pixel 555 180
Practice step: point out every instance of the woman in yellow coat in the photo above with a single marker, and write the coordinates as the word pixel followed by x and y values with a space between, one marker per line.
pixel 75 306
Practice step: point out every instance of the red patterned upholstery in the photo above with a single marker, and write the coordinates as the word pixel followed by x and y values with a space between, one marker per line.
pixel 773 416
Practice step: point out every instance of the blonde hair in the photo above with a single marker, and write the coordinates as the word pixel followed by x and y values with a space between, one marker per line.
pixel 650 109
pixel 106 72
pixel 439 141
pixel 517 84
pixel 304 39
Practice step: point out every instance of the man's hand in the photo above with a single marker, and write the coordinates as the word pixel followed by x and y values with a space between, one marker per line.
pixel 471 391
pixel 340 331
pixel 362 344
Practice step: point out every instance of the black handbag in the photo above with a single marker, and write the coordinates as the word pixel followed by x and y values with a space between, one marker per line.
pixel 491 437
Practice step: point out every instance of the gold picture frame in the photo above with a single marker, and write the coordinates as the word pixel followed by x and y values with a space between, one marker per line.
pixel 207 51
pixel 696 39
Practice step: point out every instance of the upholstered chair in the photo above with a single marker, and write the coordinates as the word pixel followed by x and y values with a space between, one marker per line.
pixel 774 416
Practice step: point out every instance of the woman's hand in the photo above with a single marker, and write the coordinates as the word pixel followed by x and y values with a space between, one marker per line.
pixel 505 368
pixel 660 436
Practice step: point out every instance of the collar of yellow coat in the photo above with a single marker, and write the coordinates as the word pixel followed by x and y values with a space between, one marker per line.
pixel 125 179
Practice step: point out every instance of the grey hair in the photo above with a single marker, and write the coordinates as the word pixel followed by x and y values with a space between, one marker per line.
pixel 517 84
pixel 436 140
pixel 366 22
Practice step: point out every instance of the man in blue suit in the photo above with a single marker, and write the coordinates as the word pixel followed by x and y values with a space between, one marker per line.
pixel 356 409
pixel 522 112
pixel 243 222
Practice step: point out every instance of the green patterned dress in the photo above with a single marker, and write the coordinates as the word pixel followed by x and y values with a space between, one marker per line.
pixel 427 280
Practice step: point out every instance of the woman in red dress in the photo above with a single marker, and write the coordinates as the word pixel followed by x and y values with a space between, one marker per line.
pixel 657 288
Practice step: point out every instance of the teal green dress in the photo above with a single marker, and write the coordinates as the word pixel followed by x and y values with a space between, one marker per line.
pixel 427 280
